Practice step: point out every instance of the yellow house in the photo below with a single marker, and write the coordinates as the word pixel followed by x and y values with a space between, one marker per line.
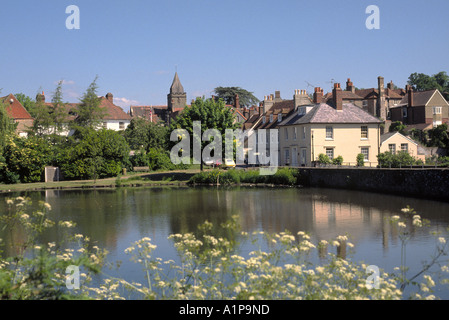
pixel 394 142
pixel 330 128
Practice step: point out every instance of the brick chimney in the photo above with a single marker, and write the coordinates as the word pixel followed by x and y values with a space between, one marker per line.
pixel 318 95
pixel 390 85
pixel 381 112
pixel 337 96
pixel 350 86
pixel 237 101
pixel 410 97
pixel 110 97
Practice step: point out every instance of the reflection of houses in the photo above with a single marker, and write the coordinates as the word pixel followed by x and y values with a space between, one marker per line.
pixel 394 142
pixel 17 112
pixel 333 128
pixel 427 109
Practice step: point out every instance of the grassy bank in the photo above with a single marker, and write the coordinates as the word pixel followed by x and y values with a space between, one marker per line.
pixel 130 180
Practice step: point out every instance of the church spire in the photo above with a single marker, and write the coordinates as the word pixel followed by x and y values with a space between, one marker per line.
pixel 176 86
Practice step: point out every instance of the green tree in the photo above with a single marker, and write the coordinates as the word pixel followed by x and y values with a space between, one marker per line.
pixel 100 154
pixel 144 134
pixel 27 158
pixel 58 111
pixel 228 94
pixel 398 126
pixel 439 136
pixel 212 115
pixel 89 111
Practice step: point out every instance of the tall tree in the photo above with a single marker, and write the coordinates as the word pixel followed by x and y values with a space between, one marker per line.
pixel 212 115
pixel 58 110
pixel 89 111
pixel 228 94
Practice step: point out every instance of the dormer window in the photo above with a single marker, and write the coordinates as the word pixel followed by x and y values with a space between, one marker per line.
pixel 279 117
pixel 271 118
pixel 264 119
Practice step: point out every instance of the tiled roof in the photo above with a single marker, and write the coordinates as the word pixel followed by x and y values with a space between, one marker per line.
pixel 15 109
pixel 373 93
pixel 345 95
pixel 113 112
pixel 324 113
pixel 420 98
pixel 384 137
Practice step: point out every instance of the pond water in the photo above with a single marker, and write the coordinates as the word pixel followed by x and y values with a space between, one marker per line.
pixel 115 218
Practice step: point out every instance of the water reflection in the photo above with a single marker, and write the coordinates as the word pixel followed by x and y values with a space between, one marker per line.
pixel 116 218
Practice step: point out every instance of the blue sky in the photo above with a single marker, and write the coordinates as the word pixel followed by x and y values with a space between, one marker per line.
pixel 135 46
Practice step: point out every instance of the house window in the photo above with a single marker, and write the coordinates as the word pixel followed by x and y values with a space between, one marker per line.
pixel 392 148
pixel 279 117
pixel 330 153
pixel 365 103
pixel 287 155
pixel 264 119
pixel 404 112
pixel 404 147
pixel 304 133
pixel 121 125
pixel 286 134
pixel 294 133
pixel 437 110
pixel 365 152
pixel 271 118
pixel 364 132
pixel 329 133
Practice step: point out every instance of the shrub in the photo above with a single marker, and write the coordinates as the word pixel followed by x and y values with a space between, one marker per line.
pixel 400 159
pixel 337 161
pixel 323 159
pixel 283 176
pixel 360 160
pixel 99 154
pixel 26 158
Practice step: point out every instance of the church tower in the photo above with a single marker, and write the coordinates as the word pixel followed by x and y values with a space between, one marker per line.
pixel 177 98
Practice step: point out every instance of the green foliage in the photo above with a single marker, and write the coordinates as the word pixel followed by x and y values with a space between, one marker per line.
pixel 89 111
pixel 26 159
pixel 143 134
pixel 99 154
pixel 7 126
pixel 398 160
pixel 37 270
pixel 228 94
pixel 323 159
pixel 398 126
pixel 283 176
pixel 337 161
pixel 360 160
pixel 439 136
pixel 212 115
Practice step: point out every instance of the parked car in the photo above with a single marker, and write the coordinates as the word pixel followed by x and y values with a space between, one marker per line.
pixel 229 163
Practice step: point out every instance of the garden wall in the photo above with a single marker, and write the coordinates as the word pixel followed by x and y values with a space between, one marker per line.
pixel 422 183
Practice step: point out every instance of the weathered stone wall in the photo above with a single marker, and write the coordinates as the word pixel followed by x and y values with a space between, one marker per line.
pixel 423 183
